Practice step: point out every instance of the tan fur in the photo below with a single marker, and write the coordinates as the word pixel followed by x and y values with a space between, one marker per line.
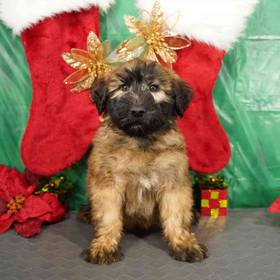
pixel 131 181
pixel 139 182
pixel 159 96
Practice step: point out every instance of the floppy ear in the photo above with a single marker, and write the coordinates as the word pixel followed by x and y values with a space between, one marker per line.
pixel 183 95
pixel 99 94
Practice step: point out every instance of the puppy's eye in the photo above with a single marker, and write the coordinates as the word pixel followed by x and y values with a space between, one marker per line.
pixel 124 87
pixel 154 88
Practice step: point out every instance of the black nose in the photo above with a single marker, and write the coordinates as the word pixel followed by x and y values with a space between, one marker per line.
pixel 138 111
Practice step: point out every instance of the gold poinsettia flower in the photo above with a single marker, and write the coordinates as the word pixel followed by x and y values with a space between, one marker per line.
pixel 154 39
pixel 89 65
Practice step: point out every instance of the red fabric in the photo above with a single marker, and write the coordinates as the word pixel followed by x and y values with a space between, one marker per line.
pixel 34 210
pixel 61 124
pixel 207 143
pixel 275 206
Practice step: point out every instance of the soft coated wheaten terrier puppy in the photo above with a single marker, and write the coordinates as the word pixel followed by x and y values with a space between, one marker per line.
pixel 138 170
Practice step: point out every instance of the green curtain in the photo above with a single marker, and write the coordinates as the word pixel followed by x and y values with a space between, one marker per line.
pixel 246 96
pixel 15 96
pixel 112 23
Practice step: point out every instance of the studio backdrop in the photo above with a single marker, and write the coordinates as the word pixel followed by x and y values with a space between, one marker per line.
pixel 247 99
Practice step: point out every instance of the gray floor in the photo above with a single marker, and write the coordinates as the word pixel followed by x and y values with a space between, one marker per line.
pixel 244 246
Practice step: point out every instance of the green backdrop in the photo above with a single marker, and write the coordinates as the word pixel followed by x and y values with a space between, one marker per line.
pixel 246 96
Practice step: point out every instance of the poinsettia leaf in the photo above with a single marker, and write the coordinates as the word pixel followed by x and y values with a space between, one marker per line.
pixel 28 228
pixel 33 207
pixel 17 187
pixel 4 193
pixel 15 174
pixel 57 212
pixel 12 183
pixel 30 189
pixel 2 205
pixel 3 170
pixel 5 222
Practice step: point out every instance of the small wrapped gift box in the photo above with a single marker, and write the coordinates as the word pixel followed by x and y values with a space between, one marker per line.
pixel 214 202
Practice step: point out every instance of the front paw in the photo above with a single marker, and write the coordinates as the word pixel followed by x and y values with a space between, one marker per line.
pixel 195 253
pixel 101 256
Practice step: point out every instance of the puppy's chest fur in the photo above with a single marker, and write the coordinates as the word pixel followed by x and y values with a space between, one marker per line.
pixel 142 167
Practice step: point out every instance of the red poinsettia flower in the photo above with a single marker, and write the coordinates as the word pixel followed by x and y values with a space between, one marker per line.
pixel 275 206
pixel 19 206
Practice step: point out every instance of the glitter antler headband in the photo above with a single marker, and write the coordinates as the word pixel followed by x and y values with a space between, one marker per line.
pixel 153 40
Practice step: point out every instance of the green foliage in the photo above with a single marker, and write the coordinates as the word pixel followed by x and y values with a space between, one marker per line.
pixel 213 182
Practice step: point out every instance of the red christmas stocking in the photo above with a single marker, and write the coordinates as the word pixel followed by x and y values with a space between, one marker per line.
pixel 207 142
pixel 61 124
pixel 213 26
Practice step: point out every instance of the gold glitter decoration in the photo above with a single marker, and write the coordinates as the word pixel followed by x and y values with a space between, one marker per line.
pixel 89 65
pixel 154 39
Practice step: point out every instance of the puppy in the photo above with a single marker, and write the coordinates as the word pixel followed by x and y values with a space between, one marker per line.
pixel 138 170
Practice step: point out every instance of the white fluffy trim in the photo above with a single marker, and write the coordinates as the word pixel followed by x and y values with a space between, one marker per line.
pixel 22 14
pixel 216 22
